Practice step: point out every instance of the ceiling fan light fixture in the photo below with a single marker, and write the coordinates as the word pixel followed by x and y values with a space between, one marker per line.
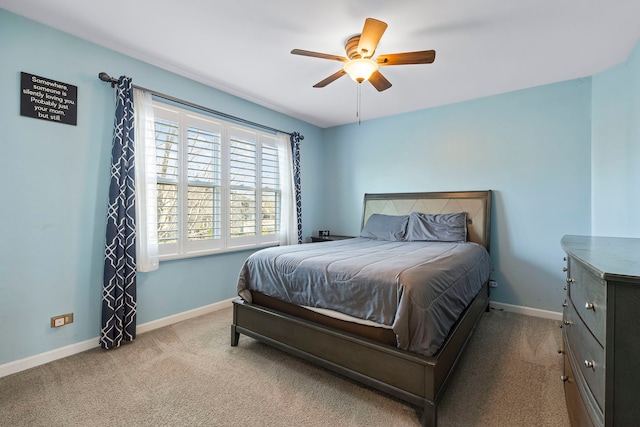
pixel 360 69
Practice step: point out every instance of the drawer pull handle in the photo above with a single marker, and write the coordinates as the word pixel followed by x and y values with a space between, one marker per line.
pixel 564 378
pixel 590 306
pixel 564 304
pixel 569 280
pixel 565 269
pixel 589 364
pixel 567 322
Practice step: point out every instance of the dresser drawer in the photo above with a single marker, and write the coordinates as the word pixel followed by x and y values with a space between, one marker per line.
pixel 588 294
pixel 588 354
pixel 580 413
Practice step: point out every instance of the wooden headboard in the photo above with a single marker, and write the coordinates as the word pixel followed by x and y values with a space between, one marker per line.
pixel 477 205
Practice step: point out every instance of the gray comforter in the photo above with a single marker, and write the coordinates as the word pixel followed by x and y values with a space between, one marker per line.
pixel 417 288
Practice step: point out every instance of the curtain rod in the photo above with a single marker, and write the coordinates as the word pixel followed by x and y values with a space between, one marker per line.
pixel 107 78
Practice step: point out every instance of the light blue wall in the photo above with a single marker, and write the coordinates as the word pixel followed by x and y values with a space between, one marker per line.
pixel 54 194
pixel 532 147
pixel 616 149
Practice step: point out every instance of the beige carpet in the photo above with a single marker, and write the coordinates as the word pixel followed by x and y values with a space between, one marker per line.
pixel 187 374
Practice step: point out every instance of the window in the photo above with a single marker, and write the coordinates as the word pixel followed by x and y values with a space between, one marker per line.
pixel 219 185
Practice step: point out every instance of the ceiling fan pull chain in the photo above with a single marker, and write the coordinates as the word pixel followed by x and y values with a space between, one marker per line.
pixel 358 102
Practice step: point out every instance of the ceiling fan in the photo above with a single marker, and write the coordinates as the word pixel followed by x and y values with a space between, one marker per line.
pixel 359 62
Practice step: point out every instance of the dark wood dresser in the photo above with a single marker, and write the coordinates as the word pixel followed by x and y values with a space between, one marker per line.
pixel 601 331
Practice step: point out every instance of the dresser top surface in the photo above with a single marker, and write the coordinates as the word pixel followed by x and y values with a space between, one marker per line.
pixel 614 258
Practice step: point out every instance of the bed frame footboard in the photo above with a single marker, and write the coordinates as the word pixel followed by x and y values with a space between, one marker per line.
pixel 416 379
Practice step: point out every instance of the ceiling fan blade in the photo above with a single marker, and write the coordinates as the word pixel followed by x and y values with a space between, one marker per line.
pixel 420 57
pixel 331 78
pixel 379 81
pixel 371 34
pixel 319 55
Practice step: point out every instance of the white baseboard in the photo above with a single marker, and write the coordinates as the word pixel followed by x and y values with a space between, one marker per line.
pixel 528 311
pixel 166 321
pixel 59 353
pixel 69 350
pixel 48 356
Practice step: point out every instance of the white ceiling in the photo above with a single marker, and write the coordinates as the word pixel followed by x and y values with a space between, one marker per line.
pixel 483 47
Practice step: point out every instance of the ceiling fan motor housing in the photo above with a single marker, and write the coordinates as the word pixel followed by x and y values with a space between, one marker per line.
pixel 351 47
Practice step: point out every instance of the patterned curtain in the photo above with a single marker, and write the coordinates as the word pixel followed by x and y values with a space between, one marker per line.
pixel 295 149
pixel 119 291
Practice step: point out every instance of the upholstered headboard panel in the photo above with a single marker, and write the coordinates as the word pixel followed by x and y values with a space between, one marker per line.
pixel 477 205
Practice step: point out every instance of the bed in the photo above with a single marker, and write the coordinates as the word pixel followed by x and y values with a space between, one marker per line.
pixel 393 343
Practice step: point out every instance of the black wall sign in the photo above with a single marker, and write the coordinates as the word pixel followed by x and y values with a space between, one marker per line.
pixel 47 99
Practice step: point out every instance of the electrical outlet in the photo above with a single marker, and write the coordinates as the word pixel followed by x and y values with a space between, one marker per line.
pixel 61 320
pixel 493 284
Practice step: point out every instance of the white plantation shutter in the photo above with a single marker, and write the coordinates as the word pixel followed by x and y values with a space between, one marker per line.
pixel 243 158
pixel 203 170
pixel 271 190
pixel 203 195
pixel 167 187
pixel 219 184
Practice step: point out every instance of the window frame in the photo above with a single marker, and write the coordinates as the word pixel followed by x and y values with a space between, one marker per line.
pixel 183 247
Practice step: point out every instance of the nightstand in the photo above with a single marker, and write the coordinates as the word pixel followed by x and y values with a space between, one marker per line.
pixel 329 238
